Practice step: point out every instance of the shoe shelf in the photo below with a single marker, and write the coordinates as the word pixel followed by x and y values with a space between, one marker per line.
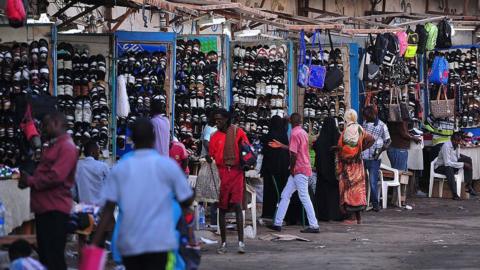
pixel 317 104
pixel 259 83
pixel 463 84
pixel 84 79
pixel 199 85
pixel 26 76
pixel 145 61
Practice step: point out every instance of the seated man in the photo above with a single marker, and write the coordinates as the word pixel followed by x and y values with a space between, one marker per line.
pixel 450 161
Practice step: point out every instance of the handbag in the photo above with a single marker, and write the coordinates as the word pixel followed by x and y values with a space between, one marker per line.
pixel 334 76
pixel 394 113
pixel 28 124
pixel 93 258
pixel 248 158
pixel 418 104
pixel 442 108
pixel 317 72
pixel 303 68
pixel 405 113
pixel 439 71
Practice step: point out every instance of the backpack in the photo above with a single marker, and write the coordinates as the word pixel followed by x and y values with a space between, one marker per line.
pixel 402 42
pixel 378 50
pixel 439 71
pixel 432 31
pixel 412 46
pixel 393 49
pixel 444 38
pixel 422 38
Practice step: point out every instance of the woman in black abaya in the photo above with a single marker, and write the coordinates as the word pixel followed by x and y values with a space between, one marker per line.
pixel 275 172
pixel 327 196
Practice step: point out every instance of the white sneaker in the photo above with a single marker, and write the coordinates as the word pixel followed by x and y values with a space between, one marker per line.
pixel 68 90
pixel 79 111
pixel 193 103
pixel 61 90
pixel 87 112
pixel 241 247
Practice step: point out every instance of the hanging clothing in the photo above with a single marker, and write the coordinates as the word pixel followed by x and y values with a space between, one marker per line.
pixel 123 106
pixel 327 197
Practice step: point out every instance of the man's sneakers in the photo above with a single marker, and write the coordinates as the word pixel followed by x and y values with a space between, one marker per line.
pixel 275 228
pixel 223 248
pixel 472 192
pixel 241 247
pixel 310 230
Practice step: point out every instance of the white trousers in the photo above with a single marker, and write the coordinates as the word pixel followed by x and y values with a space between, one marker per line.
pixel 298 183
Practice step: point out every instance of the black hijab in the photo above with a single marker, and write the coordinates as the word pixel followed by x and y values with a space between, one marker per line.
pixel 275 160
pixel 324 156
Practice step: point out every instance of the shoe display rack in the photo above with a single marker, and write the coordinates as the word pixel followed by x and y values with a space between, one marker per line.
pixel 25 74
pixel 83 88
pixel 463 84
pixel 145 62
pixel 260 84
pixel 198 84
pixel 317 103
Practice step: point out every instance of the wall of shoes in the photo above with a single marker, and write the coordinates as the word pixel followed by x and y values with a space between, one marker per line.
pixel 144 71
pixel 84 88
pixel 25 74
pixel 199 88
pixel 463 84
pixel 259 83
pixel 317 104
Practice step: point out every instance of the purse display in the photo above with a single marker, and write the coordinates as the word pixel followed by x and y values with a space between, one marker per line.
pixel 334 76
pixel 317 75
pixel 442 108
pixel 303 68
pixel 394 111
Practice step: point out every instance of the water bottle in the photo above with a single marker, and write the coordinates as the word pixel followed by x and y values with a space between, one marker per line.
pixel 201 217
pixel 2 220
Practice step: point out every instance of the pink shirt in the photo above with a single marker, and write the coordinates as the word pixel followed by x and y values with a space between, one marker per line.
pixel 299 146
pixel 179 154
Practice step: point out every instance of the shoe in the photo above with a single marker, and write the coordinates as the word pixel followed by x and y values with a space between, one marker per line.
pixel 275 228
pixel 472 192
pixel 456 198
pixel 376 208
pixel 222 249
pixel 241 247
pixel 310 230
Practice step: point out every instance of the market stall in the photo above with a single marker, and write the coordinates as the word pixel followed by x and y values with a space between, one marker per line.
pixel 145 72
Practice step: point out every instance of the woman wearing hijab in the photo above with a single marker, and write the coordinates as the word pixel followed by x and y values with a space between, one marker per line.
pixel 350 170
pixel 327 195
pixel 275 171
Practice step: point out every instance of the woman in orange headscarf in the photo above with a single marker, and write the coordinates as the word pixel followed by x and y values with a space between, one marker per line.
pixel 350 170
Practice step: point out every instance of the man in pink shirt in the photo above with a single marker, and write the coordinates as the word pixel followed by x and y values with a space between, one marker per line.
pixel 300 170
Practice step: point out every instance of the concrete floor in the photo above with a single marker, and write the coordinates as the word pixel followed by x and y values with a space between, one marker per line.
pixel 436 234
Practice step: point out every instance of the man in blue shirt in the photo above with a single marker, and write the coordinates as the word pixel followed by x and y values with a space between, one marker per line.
pixel 90 175
pixel 149 190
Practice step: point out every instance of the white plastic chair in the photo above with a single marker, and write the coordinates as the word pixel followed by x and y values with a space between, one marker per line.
pixel 252 206
pixel 395 183
pixel 442 178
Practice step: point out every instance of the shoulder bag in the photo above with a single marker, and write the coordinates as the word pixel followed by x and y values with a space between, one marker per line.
pixel 334 77
pixel 442 108
pixel 317 72
pixel 303 68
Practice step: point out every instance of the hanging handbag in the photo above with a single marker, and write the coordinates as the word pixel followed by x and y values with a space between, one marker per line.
pixel 303 68
pixel 418 104
pixel 334 77
pixel 403 107
pixel 28 124
pixel 442 108
pixel 439 71
pixel 317 72
pixel 394 113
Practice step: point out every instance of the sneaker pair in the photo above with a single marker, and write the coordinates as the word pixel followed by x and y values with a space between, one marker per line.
pixel 223 248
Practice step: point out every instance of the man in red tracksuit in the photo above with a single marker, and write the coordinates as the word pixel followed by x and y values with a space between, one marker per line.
pixel 224 148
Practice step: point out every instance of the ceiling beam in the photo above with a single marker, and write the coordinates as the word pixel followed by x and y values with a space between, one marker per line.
pixel 121 19
pixel 86 11
pixel 319 11
pixel 420 21
pixel 64 8
pixel 365 21
pixel 313 27
pixel 371 31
